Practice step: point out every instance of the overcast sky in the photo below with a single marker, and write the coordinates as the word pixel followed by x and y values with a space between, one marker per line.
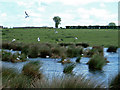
pixel 72 12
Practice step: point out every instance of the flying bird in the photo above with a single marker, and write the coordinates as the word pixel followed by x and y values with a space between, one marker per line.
pixel 26 14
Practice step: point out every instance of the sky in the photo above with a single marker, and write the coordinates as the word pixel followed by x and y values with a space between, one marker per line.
pixel 71 12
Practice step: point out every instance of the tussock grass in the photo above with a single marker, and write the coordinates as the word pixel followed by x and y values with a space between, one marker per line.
pixel 69 68
pixel 96 62
pixel 112 49
pixel 67 82
pixel 115 83
pixel 35 50
pixel 73 51
pixel 31 69
pixel 12 79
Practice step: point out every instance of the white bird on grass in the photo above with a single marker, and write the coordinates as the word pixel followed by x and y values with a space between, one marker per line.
pixel 76 38
pixel 13 40
pixel 56 31
pixel 38 39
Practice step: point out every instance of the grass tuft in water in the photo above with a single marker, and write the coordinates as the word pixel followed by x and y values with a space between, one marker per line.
pixel 31 69
pixel 69 68
pixel 96 62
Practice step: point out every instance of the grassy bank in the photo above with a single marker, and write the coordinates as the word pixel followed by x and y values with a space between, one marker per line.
pixel 92 37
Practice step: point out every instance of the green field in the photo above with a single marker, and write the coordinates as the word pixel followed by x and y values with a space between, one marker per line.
pixel 91 36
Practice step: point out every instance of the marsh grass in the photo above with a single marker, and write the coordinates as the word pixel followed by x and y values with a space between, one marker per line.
pixel 33 51
pixel 96 62
pixel 20 81
pixel 58 52
pixel 94 50
pixel 17 46
pixel 8 56
pixel 44 51
pixel 7 74
pixel 115 83
pixel 31 69
pixel 74 51
pixel 12 79
pixel 25 49
pixel 68 68
pixel 67 82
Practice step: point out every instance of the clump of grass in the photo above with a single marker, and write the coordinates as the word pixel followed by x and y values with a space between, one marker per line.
pixel 25 49
pixel 45 51
pixel 33 51
pixel 115 83
pixel 7 74
pixel 68 68
pixel 15 46
pixel 6 56
pixel 20 81
pixel 99 49
pixel 57 52
pixel 74 51
pixel 31 69
pixel 112 49
pixel 68 82
pixel 96 62
pixel 5 45
pixel 11 79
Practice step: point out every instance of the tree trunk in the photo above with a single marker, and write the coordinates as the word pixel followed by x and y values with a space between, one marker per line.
pixel 56 25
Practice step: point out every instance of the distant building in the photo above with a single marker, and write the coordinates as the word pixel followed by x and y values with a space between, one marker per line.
pixel 92 27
